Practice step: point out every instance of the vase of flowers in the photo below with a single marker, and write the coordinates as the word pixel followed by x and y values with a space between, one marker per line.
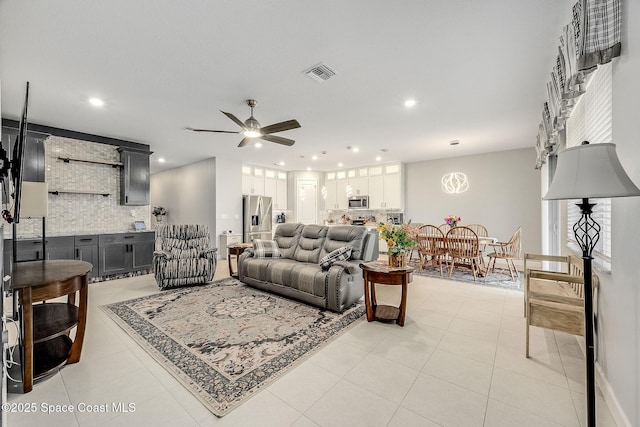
pixel 159 212
pixel 452 220
pixel 399 240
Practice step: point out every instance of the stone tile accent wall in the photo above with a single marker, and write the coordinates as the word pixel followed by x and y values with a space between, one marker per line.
pixel 72 214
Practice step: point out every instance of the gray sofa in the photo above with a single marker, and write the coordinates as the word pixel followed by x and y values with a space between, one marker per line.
pixel 297 273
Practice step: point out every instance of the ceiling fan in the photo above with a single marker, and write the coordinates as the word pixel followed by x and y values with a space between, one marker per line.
pixel 251 128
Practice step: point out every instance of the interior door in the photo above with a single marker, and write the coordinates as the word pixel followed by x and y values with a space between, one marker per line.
pixel 307 201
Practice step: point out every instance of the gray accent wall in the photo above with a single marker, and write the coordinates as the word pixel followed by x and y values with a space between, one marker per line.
pixel 188 193
pixel 504 193
pixel 206 192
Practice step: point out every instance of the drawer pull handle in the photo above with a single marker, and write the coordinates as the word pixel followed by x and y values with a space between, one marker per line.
pixel 86 240
pixel 129 237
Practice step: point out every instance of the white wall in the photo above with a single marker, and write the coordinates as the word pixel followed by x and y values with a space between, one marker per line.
pixel 188 193
pixel 228 192
pixel 504 193
pixel 619 297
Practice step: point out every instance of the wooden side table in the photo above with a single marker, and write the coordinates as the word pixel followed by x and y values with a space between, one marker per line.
pixel 236 249
pixel 380 272
pixel 45 327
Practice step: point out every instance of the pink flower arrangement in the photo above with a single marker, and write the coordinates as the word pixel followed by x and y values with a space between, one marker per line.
pixel 452 220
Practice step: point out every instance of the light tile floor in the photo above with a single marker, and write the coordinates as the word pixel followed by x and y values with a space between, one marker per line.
pixel 459 361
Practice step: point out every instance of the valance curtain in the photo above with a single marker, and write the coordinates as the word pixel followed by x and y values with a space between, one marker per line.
pixel 592 38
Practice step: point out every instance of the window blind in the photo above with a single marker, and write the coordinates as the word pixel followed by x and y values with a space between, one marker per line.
pixel 591 120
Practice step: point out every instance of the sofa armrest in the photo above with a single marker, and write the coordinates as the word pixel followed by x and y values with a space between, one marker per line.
pixel 209 253
pixel 162 254
pixel 351 267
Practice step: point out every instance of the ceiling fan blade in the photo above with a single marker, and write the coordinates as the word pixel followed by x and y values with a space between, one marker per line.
pixel 234 118
pixel 278 140
pixel 280 127
pixel 210 130
pixel 244 142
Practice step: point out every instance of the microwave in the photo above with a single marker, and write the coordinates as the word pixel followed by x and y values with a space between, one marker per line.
pixel 359 202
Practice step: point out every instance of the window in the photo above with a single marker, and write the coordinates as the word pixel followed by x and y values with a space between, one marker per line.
pixel 591 121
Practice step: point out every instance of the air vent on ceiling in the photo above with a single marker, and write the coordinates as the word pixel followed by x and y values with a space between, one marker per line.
pixel 320 73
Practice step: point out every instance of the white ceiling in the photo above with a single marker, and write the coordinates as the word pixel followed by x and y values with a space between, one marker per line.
pixel 477 69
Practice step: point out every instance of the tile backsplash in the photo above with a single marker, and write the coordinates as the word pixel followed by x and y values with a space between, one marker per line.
pixel 72 214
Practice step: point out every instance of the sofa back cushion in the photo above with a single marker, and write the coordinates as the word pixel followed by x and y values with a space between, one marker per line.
pixel 310 244
pixel 183 240
pixel 345 235
pixel 287 237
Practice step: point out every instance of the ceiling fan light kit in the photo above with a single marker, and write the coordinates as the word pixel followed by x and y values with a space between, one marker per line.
pixel 251 128
pixel 454 182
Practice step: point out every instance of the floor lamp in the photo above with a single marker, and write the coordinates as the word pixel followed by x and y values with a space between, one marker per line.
pixel 583 172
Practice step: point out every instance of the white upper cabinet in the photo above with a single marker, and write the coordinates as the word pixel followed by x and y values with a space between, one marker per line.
pixel 382 183
pixel 263 182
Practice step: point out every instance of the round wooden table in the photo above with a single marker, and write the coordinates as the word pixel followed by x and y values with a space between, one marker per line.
pixel 380 272
pixel 46 344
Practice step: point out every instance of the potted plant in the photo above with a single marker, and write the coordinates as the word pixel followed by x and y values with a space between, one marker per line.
pixel 159 212
pixel 399 240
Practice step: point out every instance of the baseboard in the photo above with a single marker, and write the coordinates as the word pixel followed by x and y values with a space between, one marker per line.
pixel 616 410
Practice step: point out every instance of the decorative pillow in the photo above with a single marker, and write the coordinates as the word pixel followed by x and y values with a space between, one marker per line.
pixel 340 254
pixel 265 249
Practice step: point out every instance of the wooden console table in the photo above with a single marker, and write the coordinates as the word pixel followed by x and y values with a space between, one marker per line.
pixel 380 272
pixel 46 344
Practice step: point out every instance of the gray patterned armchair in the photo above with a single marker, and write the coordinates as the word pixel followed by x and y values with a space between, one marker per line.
pixel 183 256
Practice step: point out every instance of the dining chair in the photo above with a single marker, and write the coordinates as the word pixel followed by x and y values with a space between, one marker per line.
pixel 481 231
pixel 431 243
pixel 508 251
pixel 444 228
pixel 412 231
pixel 462 247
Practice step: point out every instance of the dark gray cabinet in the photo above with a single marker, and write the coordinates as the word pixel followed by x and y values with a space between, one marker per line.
pixel 134 181
pixel 86 249
pixel 124 252
pixel 34 158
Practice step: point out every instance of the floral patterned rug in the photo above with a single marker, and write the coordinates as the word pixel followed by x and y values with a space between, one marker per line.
pixel 225 341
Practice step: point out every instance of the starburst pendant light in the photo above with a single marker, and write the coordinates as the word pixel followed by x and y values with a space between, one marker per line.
pixel 455 182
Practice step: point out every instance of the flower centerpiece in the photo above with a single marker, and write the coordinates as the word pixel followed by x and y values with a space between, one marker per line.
pixel 452 220
pixel 399 240
pixel 159 212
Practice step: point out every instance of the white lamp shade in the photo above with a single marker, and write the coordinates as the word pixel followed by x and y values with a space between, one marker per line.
pixel 590 171
pixel 34 198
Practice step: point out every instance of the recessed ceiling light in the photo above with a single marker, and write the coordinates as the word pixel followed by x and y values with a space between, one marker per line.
pixel 280 163
pixel 410 103
pixel 355 149
pixel 161 160
pixel 314 157
pixel 308 168
pixel 378 158
pixel 258 144
pixel 96 102
pixel 340 165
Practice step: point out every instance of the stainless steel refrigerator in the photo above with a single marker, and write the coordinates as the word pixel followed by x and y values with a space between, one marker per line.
pixel 257 219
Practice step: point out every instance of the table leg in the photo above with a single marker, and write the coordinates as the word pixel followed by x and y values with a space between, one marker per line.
pixel 367 299
pixel 403 301
pixel 229 261
pixel 76 347
pixel 27 344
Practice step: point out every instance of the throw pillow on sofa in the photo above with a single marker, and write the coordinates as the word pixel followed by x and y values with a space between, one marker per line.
pixel 265 249
pixel 340 254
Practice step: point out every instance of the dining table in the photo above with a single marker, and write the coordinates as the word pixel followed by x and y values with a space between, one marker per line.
pixel 482 241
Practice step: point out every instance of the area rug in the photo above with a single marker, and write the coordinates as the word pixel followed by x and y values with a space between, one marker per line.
pixel 226 341
pixel 498 279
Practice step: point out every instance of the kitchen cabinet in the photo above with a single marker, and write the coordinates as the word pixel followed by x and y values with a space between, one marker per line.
pixel 281 191
pixel 358 180
pixel 336 190
pixel 86 249
pixel 385 187
pixel 253 181
pixel 134 180
pixel 124 252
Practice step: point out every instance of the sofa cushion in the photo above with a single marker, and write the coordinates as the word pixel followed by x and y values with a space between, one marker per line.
pixel 305 277
pixel 345 235
pixel 340 254
pixel 310 243
pixel 287 237
pixel 265 249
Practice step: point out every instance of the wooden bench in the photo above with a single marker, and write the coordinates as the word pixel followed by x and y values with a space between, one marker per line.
pixel 555 300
